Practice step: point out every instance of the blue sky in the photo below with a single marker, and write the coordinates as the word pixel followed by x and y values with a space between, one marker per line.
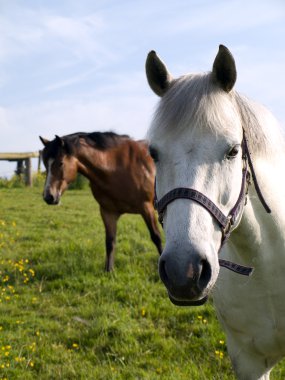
pixel 69 65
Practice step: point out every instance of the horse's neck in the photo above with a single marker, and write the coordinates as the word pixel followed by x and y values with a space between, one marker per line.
pixel 93 163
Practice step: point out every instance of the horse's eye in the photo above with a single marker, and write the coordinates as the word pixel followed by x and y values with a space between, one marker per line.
pixel 153 153
pixel 233 152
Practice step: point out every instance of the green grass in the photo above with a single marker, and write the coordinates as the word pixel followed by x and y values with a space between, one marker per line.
pixel 63 317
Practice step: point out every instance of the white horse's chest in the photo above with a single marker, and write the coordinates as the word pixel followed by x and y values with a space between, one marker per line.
pixel 252 310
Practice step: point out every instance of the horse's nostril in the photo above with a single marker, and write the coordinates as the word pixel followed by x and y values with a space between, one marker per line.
pixel 49 199
pixel 162 271
pixel 205 274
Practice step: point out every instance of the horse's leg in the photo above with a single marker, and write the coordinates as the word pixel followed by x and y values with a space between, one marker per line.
pixel 248 365
pixel 110 222
pixel 148 214
pixel 251 367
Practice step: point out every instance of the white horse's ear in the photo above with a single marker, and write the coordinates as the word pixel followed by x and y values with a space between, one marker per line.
pixel 44 141
pixel 224 69
pixel 157 74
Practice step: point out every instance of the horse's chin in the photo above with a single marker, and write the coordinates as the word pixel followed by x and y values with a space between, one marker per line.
pixel 185 302
pixel 185 295
pixel 56 203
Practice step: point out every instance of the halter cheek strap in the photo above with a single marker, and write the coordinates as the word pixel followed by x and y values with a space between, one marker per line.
pixel 226 223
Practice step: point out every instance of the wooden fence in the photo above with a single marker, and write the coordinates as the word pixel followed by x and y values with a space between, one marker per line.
pixel 24 163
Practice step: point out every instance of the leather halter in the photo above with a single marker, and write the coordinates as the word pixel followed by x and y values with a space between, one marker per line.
pixel 227 223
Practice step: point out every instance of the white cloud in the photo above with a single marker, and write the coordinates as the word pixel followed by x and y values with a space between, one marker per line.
pixel 81 36
pixel 125 106
pixel 42 32
pixel 74 29
pixel 69 81
pixel 19 36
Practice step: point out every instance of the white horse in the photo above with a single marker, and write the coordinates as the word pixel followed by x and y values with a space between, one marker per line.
pixel 207 138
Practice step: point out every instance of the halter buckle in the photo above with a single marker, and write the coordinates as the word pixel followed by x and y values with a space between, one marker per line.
pixel 227 229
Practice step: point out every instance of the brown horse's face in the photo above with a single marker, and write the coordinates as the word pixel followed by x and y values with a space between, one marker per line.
pixel 61 169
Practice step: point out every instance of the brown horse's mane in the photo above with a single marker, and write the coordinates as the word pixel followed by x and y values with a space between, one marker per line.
pixel 99 140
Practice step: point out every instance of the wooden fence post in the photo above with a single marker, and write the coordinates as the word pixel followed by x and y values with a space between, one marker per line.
pixel 39 161
pixel 28 174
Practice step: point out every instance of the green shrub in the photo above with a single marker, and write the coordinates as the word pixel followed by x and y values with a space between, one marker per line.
pixel 17 181
pixel 12 183
pixel 80 183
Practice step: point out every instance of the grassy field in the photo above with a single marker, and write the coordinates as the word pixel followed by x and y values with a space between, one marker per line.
pixel 62 317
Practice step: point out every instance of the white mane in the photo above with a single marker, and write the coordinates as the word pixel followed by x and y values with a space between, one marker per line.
pixel 194 99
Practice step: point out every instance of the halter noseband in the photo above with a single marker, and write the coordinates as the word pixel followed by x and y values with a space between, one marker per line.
pixel 226 223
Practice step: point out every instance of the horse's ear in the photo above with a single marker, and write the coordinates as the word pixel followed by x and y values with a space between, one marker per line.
pixel 224 69
pixel 157 74
pixel 59 140
pixel 44 141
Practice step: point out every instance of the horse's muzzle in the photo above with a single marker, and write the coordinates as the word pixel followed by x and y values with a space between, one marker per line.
pixel 50 199
pixel 187 281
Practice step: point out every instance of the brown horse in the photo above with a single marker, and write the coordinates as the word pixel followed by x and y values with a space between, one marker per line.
pixel 121 175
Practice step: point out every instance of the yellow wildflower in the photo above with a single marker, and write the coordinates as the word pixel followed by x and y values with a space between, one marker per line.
pixel 32 346
pixel 32 272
